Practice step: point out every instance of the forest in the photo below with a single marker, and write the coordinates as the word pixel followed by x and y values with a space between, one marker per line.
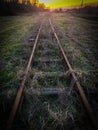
pixel 13 7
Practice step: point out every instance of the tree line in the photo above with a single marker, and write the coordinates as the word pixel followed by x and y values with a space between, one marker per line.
pixel 88 12
pixel 13 7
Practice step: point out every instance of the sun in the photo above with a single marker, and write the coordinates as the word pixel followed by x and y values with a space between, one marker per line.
pixel 46 2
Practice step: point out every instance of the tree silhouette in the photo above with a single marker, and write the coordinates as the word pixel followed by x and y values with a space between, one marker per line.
pixel 82 2
pixel 13 7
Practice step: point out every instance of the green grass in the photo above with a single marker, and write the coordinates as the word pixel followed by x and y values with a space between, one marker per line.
pixel 9 23
pixel 14 53
pixel 52 112
pixel 12 45
pixel 52 81
pixel 49 67
pixel 38 112
pixel 82 52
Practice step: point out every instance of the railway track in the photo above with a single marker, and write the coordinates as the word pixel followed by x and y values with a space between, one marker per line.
pixel 50 69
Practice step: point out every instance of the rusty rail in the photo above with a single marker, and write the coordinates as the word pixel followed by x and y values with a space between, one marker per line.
pixel 77 84
pixel 19 93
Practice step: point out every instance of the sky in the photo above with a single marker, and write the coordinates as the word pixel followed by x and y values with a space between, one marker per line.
pixel 65 3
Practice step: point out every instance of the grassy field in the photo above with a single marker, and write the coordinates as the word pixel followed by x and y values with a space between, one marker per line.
pixel 14 31
pixel 81 45
pixel 14 53
pixel 79 39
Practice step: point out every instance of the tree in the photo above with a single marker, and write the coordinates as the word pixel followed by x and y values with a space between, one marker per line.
pixel 82 2
pixel 42 6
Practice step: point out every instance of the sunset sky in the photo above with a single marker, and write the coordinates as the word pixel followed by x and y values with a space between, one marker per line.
pixel 65 3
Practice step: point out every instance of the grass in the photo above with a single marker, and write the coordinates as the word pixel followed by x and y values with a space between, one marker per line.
pixel 52 81
pixel 52 67
pixel 50 46
pixel 80 45
pixel 14 54
pixel 42 112
pixel 59 112
pixel 12 44
pixel 8 23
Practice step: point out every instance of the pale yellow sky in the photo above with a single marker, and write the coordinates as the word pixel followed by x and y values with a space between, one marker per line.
pixel 64 3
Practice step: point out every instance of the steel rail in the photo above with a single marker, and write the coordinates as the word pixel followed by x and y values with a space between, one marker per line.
pixel 20 90
pixel 77 84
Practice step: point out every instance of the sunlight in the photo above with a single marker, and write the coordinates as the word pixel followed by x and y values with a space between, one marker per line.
pixel 47 2
pixel 65 3
pixel 54 3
